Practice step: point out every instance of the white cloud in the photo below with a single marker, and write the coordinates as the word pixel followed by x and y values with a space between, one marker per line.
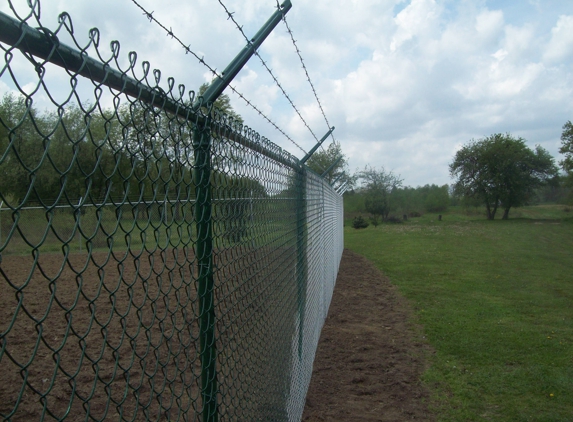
pixel 417 19
pixel 489 23
pixel 561 45
pixel 404 82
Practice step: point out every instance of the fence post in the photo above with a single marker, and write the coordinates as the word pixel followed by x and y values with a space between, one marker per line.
pixel 203 210
pixel 301 262
pixel 1 204
pixel 204 256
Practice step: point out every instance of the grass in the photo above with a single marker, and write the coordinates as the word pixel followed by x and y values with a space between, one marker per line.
pixel 495 299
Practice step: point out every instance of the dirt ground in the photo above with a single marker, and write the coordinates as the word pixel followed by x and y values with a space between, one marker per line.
pixel 129 339
pixel 370 356
pixel 114 335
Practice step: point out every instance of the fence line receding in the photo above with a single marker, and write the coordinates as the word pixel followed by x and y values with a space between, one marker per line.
pixel 146 274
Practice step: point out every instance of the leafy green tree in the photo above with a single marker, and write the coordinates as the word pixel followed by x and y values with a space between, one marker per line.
pixel 429 198
pixel 85 154
pixel 323 159
pixel 437 198
pixel 501 170
pixel 223 103
pixel 24 138
pixel 409 199
pixel 82 150
pixel 555 191
pixel 567 150
pixel 380 189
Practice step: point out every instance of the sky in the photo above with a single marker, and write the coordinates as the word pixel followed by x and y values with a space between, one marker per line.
pixel 406 83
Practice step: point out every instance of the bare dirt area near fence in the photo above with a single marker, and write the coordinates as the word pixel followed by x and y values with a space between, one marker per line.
pixel 112 335
pixel 370 356
pixel 128 340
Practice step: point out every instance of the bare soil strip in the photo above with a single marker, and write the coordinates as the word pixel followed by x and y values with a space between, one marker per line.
pixel 370 356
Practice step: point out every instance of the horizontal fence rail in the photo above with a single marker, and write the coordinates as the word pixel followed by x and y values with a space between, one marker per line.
pixel 158 260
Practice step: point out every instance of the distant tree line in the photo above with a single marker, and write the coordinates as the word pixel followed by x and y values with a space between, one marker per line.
pixel 498 172
pixel 381 194
pixel 130 153
pixel 133 152
pixel 80 150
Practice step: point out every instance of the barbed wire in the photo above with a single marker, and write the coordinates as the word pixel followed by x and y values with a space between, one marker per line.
pixel 307 75
pixel 170 33
pixel 202 61
pixel 240 28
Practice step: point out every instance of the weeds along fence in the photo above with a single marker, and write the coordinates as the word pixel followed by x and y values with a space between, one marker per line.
pixel 158 261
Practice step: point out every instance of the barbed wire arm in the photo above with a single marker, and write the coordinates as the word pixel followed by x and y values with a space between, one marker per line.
pixel 222 81
pixel 269 70
pixel 214 72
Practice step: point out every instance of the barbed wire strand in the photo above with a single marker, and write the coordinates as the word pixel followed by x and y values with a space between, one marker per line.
pixel 202 61
pixel 269 70
pixel 298 52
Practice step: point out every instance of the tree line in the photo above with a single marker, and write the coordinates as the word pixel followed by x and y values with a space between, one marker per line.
pixel 131 152
pixel 498 172
pixel 84 150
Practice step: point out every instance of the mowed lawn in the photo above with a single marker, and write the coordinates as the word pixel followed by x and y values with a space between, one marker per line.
pixel 495 299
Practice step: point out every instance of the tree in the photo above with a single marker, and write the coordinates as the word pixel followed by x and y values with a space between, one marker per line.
pixel 223 103
pixel 323 159
pixel 567 150
pixel 380 188
pixel 28 151
pixel 437 198
pixel 501 171
pixel 81 150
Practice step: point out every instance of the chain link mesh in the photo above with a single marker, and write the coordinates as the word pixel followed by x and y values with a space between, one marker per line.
pixel 157 261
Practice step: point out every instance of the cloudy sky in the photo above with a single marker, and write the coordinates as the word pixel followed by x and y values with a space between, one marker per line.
pixel 405 82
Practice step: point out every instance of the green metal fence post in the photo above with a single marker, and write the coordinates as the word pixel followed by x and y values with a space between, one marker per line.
pixel 301 261
pixel 1 204
pixel 203 210
pixel 204 251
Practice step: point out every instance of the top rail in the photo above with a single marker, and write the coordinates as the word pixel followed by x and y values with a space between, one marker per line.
pixel 45 45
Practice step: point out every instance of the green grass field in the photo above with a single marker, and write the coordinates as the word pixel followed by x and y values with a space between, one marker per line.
pixel 495 300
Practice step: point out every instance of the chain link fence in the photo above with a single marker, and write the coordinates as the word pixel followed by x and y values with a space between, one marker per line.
pixel 158 261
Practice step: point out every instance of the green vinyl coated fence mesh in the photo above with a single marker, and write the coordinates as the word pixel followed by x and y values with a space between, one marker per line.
pixel 158 261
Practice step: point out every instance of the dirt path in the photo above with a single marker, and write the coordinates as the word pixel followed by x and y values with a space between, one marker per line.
pixel 370 358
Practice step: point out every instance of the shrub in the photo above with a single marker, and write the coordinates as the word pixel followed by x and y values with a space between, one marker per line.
pixel 374 220
pixel 393 219
pixel 359 223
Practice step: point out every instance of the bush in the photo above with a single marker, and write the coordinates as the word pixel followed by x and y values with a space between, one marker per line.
pixel 393 219
pixel 359 223
pixel 374 220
